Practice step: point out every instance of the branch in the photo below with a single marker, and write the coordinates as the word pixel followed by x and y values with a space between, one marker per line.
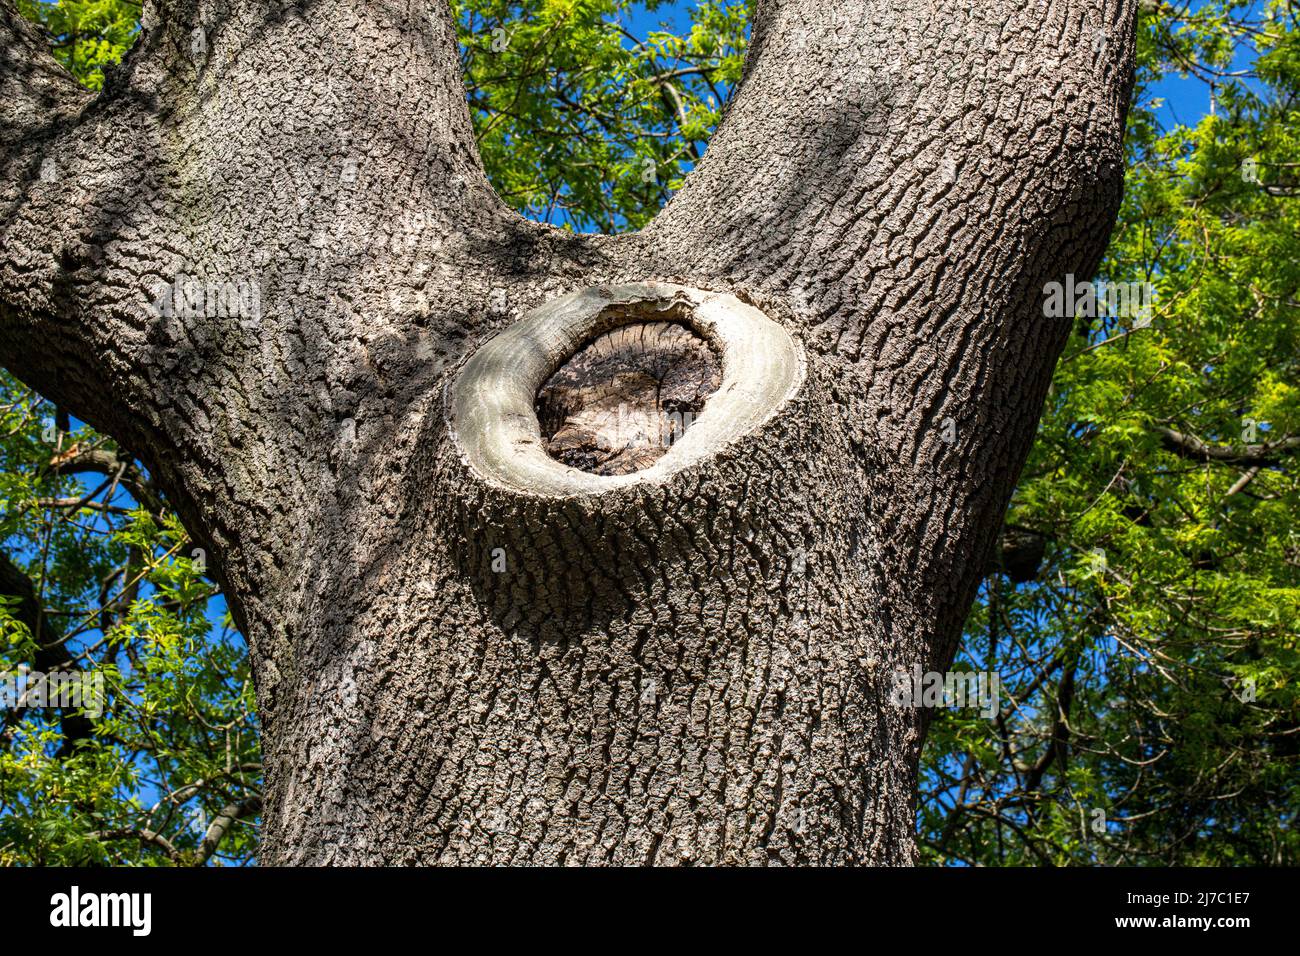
pixel 1263 453
pixel 109 463
pixel 249 806
pixel 904 181
pixel 1247 476
pixel 145 836
pixel 53 168
pixel 210 260
pixel 1057 749
pixel 36 93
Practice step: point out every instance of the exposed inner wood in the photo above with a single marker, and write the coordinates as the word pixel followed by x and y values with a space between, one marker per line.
pixel 617 405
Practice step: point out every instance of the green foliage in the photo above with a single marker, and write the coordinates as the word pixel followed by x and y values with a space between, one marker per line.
pixel 1152 715
pixel 88 34
pixel 1149 713
pixel 580 122
pixel 121 591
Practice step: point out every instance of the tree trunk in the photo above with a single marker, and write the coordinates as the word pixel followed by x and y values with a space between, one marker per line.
pixel 267 259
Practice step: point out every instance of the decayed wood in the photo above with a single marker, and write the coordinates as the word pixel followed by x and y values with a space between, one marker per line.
pixel 493 408
pixel 620 401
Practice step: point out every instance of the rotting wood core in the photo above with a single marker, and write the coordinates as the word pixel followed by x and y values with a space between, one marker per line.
pixel 620 401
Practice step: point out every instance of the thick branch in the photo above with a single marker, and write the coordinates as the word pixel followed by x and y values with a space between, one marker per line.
pixel 1262 453
pixel 238 246
pixel 227 818
pixel 36 93
pixel 906 179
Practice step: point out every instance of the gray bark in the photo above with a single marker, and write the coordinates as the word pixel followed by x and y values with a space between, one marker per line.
pixel 686 668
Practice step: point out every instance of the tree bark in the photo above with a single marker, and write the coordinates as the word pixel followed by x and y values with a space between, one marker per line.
pixel 263 256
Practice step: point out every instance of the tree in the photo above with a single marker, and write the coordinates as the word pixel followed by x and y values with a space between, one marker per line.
pixel 168 770
pixel 1160 738
pixel 682 664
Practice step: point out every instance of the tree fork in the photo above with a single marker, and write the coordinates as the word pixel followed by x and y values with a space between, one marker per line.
pixel 685 662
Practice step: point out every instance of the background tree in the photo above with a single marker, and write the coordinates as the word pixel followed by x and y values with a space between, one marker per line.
pixel 1150 658
pixel 989 794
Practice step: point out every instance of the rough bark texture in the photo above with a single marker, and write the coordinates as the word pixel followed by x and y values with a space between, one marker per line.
pixel 686 670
